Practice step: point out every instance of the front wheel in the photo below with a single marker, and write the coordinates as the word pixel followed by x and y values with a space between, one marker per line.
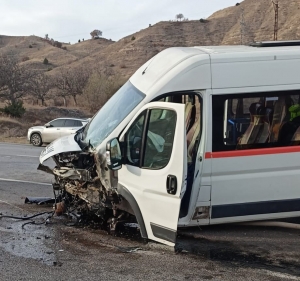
pixel 36 139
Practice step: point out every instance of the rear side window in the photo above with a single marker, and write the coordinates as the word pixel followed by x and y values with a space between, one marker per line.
pixel 77 123
pixel 258 120
pixel 69 123
pixel 73 123
pixel 57 123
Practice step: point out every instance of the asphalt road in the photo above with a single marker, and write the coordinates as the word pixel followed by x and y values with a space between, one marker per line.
pixel 60 251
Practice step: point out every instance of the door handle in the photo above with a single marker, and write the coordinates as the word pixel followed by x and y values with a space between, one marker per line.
pixel 171 184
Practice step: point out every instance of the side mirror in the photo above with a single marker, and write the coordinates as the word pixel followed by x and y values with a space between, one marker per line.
pixel 113 155
pixel 47 125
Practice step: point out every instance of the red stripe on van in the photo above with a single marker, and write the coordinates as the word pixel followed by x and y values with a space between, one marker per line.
pixel 252 152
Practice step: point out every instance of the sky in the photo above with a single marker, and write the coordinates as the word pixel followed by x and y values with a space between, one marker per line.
pixel 70 20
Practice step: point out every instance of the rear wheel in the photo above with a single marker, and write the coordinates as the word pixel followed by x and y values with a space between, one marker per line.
pixel 36 139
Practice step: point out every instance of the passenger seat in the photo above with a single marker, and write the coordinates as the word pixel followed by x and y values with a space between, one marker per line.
pixel 280 116
pixel 190 112
pixel 256 124
pixel 191 139
pixel 267 121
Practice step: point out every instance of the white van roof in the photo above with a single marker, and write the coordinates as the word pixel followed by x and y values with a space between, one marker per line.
pixel 157 67
pixel 236 53
pixel 225 67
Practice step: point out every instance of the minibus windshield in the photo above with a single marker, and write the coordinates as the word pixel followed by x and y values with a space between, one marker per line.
pixel 111 115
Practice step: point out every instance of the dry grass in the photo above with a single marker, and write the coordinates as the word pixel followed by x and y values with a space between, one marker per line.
pixel 4 119
pixel 19 140
pixel 15 129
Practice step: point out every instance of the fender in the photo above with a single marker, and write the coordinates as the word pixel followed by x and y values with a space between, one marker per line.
pixel 122 190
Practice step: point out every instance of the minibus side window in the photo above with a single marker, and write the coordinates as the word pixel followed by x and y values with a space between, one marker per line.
pixel 257 120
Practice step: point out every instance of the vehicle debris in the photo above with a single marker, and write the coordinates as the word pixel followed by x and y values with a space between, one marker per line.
pixel 129 249
pixel 84 187
pixel 39 200
pixel 25 217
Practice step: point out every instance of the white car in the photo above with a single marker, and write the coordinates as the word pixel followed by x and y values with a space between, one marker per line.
pixel 54 129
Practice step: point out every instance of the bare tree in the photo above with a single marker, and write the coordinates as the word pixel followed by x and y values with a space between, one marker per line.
pixel 179 17
pixel 61 85
pixel 72 82
pixel 96 33
pixel 99 89
pixel 14 78
pixel 40 87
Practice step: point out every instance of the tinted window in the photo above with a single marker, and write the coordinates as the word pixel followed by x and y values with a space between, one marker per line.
pixel 70 123
pixel 57 123
pixel 149 144
pixel 77 123
pixel 134 140
pixel 257 120
pixel 160 136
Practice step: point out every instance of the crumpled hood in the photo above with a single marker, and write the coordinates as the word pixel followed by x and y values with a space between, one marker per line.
pixel 63 144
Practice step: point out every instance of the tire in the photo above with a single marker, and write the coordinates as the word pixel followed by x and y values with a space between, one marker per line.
pixel 36 139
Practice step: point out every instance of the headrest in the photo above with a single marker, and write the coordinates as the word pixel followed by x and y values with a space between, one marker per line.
pixel 268 114
pixel 256 109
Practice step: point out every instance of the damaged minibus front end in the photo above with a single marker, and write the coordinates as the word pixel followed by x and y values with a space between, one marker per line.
pixel 82 181
pixel 146 124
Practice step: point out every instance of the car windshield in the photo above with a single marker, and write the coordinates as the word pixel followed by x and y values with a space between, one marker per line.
pixel 112 114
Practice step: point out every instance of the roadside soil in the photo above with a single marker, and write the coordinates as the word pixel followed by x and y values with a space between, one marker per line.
pixel 14 130
pixel 20 140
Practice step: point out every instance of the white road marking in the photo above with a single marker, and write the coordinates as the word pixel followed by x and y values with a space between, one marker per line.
pixel 33 182
pixel 26 156
pixel 19 156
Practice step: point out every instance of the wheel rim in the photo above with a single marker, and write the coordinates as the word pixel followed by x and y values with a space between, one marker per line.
pixel 35 139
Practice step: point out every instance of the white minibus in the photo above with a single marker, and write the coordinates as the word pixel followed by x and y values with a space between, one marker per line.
pixel 197 136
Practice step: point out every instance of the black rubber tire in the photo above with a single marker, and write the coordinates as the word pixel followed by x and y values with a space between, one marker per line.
pixel 36 139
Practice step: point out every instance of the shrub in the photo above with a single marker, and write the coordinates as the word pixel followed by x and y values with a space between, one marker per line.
pixel 15 109
pixel 132 38
pixel 57 44
pixel 237 4
pixel 30 46
pixel 45 61
pixel 49 68
pixel 123 65
pixel 64 48
pixel 25 58
pixel 203 20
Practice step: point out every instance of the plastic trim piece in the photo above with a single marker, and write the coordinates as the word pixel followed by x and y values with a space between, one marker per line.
pixel 122 190
pixel 275 43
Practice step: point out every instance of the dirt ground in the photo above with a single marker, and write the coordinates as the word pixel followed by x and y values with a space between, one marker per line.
pixel 14 130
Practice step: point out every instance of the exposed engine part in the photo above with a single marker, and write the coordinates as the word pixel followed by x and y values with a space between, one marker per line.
pixel 60 208
pixel 86 189
pixel 73 174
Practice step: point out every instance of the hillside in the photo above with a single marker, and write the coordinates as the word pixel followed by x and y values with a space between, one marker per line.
pixel 126 55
